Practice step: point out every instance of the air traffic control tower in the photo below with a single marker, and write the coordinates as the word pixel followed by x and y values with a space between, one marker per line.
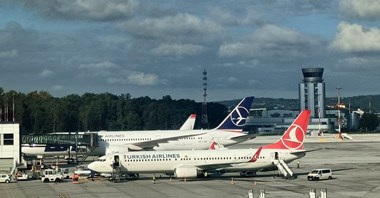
pixel 312 92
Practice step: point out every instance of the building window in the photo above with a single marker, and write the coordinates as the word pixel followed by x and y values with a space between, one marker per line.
pixel 8 139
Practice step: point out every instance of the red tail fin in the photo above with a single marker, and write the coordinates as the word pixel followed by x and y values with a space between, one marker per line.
pixel 256 155
pixel 294 136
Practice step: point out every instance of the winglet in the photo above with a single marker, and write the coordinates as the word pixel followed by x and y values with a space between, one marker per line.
pixel 255 157
pixel 215 145
pixel 212 146
pixel 236 118
pixel 294 136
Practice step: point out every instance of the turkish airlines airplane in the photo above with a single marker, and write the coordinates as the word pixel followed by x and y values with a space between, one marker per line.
pixel 193 163
pixel 229 131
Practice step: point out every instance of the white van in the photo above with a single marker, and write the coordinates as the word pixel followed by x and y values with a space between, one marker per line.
pixel 317 174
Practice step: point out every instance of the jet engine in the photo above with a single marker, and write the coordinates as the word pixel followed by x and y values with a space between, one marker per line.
pixel 186 172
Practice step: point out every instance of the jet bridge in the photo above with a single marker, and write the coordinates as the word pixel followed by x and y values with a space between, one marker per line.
pixel 64 140
pixel 87 139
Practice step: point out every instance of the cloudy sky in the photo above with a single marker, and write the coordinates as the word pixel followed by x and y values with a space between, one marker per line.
pixel 157 48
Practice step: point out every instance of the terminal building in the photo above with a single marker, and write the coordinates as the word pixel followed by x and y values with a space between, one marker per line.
pixel 312 96
pixel 10 154
pixel 12 144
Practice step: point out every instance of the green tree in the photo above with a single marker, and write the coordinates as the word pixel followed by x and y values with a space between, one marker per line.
pixel 369 122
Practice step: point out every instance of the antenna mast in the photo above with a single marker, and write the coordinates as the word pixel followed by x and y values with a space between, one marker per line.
pixel 204 104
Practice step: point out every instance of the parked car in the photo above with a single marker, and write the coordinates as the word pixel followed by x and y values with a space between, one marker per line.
pixel 6 178
pixel 317 174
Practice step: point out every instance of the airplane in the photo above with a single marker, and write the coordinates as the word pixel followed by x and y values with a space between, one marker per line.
pixel 229 131
pixel 42 150
pixel 194 163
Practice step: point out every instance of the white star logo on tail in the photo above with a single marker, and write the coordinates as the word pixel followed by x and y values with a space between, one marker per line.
pixel 237 117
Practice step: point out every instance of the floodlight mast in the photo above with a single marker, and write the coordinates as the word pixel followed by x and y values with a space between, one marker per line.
pixel 339 120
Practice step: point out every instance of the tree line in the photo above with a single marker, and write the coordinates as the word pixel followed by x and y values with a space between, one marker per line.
pixel 41 113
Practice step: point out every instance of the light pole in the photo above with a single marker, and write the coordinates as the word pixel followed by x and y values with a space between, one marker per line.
pixel 319 115
pixel 339 121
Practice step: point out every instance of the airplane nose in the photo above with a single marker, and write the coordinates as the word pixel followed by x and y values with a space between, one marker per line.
pixel 92 166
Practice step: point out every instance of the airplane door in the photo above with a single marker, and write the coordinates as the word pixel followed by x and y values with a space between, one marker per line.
pixel 116 160
pixel 274 156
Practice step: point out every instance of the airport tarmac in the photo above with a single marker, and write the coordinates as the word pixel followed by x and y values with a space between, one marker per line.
pixel 355 165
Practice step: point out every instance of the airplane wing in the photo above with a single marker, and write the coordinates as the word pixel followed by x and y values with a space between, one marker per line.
pixel 221 166
pixel 304 151
pixel 148 145
pixel 243 138
pixel 211 167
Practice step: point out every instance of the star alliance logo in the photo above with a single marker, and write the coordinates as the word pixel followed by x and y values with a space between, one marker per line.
pixel 239 116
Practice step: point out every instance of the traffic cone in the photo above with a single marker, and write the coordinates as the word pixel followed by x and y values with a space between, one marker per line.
pixel 232 181
pixel 75 179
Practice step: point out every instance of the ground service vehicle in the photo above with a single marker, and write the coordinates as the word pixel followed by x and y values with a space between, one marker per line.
pixel 65 172
pixel 49 175
pixel 82 171
pixel 6 178
pixel 317 174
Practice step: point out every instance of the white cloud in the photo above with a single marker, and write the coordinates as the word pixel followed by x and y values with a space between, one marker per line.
pixel 355 38
pixel 84 9
pixel 232 79
pixel 361 9
pixel 180 25
pixel 46 73
pixel 143 79
pixel 101 65
pixel 354 60
pixel 178 49
pixel 8 54
pixel 57 88
pixel 101 69
pixel 136 78
pixel 268 40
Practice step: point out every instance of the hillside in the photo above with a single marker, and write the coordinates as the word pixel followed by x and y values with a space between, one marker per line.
pixel 356 102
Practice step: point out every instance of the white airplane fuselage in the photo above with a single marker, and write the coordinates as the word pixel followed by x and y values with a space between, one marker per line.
pixel 116 141
pixel 191 163
pixel 169 162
